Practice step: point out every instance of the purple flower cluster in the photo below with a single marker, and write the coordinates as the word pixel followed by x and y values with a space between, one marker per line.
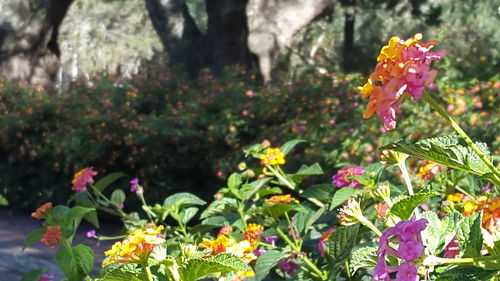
pixel 343 177
pixel 407 233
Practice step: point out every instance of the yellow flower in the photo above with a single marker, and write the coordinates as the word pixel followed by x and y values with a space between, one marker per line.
pixel 218 245
pixel 391 50
pixel 273 156
pixel 456 198
pixel 470 207
pixel 135 248
pixel 282 199
pixel 252 234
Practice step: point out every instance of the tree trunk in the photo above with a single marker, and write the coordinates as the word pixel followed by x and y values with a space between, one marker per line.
pixel 224 42
pixel 29 49
pixel 348 47
pixel 272 24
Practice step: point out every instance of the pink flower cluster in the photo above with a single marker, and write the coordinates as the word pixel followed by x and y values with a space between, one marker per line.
pixel 407 233
pixel 81 178
pixel 343 177
pixel 403 67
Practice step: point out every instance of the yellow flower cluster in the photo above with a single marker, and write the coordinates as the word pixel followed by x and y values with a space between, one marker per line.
pixel 273 156
pixel 282 199
pixel 136 247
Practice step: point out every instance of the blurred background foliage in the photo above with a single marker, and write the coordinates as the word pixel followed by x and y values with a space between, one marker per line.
pixel 127 111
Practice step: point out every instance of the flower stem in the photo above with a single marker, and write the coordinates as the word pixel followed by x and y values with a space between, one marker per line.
pixel 307 261
pixel 364 221
pixel 467 139
pixel 433 260
pixel 281 177
pixel 148 273
pixel 406 176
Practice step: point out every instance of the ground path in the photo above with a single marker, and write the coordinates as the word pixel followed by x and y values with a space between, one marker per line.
pixel 14 263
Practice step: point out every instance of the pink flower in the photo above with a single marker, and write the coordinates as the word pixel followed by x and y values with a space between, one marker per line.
pixel 452 249
pixel 410 250
pixel 46 277
pixel 289 267
pixel 343 178
pixel 323 239
pixel 91 234
pixel 407 272
pixel 134 185
pixel 81 179
pixel 403 67
pixel 271 239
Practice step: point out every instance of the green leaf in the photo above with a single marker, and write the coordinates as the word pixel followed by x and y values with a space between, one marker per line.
pixel 305 170
pixel 304 220
pixel 234 181
pixel 248 190
pixel 216 221
pixel 451 151
pixel 321 192
pixel 182 199
pixel 92 218
pixel 470 239
pixel 289 145
pixel 34 275
pixel 121 274
pixel 365 257
pixel 188 213
pixel 118 197
pixel 33 237
pixel 3 201
pixel 276 210
pixel 219 206
pixel 107 180
pixel 75 262
pixel 342 195
pixel 439 233
pixel 405 206
pixel 266 262
pixel 268 191
pixel 197 268
pixel 339 245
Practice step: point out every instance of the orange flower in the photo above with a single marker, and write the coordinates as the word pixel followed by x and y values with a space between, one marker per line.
pixel 252 234
pixel 428 171
pixel 491 215
pixel 381 209
pixel 42 210
pixel 282 199
pixel 52 236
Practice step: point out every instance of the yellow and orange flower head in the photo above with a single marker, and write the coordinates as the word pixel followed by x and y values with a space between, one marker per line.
pixel 136 248
pixel 218 245
pixel 273 156
pixel 252 234
pixel 52 236
pixel 403 67
pixel 491 215
pixel 282 199
pixel 428 171
pixel 456 197
pixel 42 211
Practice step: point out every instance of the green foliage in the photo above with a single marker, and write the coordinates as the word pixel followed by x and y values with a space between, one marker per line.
pixel 76 262
pixel 33 237
pixel 266 262
pixel 34 275
pixel 195 269
pixel 404 207
pixel 451 151
pixel 365 257
pixel 342 195
pixel 339 246
pixel 470 239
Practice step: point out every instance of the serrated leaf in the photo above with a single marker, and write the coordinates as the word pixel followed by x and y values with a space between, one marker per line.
pixel 321 192
pixel 276 210
pixel 75 262
pixel 342 195
pixel 182 199
pixel 448 230
pixel 365 257
pixel 470 239
pixel 339 245
pixel 119 274
pixel 188 213
pixel 451 151
pixel 118 197
pixel 266 262
pixel 289 145
pixel 216 221
pixel 195 269
pixel 304 220
pixel 108 180
pixel 405 206
pixel 268 191
pixel 33 237
pixel 34 275
pixel 234 181
pixel 248 190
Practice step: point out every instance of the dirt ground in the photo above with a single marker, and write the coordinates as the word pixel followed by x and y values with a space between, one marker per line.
pixel 14 263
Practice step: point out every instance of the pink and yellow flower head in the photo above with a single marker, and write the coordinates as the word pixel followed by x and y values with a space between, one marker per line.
pixel 52 236
pixel 42 211
pixel 252 234
pixel 136 248
pixel 282 199
pixel 428 171
pixel 273 156
pixel 403 67
pixel 343 177
pixel 81 179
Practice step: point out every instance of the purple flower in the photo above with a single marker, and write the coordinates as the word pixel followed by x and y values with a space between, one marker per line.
pixel 46 277
pixel 134 185
pixel 259 252
pixel 271 239
pixel 343 178
pixel 410 250
pixel 380 272
pixel 91 234
pixel 407 272
pixel 289 267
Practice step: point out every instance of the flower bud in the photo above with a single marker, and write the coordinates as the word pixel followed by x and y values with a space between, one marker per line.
pixel 392 157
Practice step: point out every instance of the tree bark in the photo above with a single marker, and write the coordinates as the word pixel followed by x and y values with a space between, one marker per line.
pixel 29 48
pixel 348 46
pixel 272 24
